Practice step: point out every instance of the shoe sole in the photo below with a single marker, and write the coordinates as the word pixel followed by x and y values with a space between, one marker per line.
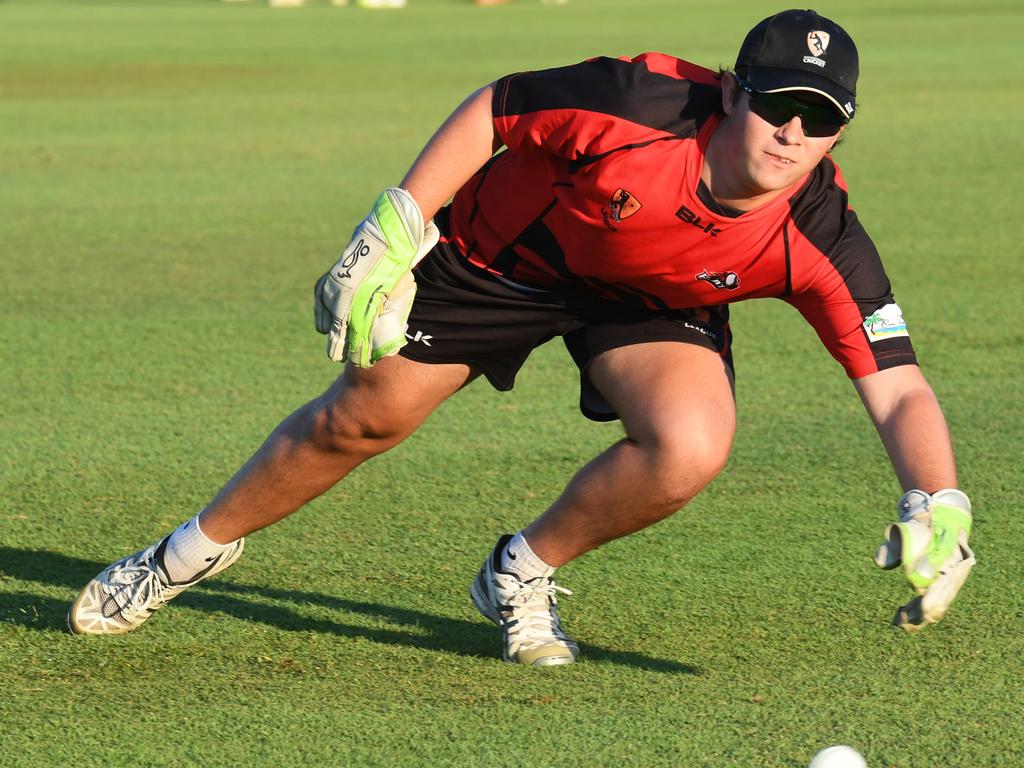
pixel 76 629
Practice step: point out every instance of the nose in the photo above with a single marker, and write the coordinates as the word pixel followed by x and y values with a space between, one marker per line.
pixel 791 132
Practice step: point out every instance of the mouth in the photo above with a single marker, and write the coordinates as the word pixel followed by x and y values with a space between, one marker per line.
pixel 779 159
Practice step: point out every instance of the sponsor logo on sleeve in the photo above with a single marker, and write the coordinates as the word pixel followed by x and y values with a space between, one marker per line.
pixel 885 323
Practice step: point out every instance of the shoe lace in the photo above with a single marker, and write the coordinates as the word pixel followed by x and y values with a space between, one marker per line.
pixel 533 616
pixel 139 581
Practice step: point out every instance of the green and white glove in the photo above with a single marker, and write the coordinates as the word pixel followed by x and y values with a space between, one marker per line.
pixel 930 541
pixel 352 297
pixel 388 334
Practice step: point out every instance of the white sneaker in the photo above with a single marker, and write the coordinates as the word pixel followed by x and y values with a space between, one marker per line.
pixel 127 593
pixel 526 611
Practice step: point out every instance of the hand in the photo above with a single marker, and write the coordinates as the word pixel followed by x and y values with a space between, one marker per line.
pixel 351 296
pixel 388 335
pixel 930 541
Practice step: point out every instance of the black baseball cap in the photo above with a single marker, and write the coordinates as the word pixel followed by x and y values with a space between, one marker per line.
pixel 801 51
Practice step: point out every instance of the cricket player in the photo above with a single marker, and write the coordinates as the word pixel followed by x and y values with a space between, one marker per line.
pixel 623 205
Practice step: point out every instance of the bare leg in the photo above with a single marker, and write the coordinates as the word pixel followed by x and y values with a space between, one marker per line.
pixel 364 413
pixel 676 404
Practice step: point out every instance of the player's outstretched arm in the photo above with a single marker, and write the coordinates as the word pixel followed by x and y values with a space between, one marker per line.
pixel 363 301
pixel 458 149
pixel 930 538
pixel 913 429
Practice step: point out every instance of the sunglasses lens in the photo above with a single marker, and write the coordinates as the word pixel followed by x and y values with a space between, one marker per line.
pixel 778 109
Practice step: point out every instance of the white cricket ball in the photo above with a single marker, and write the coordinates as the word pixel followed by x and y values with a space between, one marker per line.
pixel 839 756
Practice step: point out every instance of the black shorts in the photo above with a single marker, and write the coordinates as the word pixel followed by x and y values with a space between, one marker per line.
pixel 464 314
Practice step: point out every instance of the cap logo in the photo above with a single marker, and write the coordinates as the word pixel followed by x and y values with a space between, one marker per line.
pixel 817 42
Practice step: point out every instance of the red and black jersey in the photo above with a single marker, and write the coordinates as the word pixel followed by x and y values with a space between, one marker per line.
pixel 599 188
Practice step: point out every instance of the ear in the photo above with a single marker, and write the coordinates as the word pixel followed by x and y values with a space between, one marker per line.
pixel 838 137
pixel 728 92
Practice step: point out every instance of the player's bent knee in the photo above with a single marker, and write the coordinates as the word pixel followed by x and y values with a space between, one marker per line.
pixel 369 410
pixel 343 429
pixel 684 465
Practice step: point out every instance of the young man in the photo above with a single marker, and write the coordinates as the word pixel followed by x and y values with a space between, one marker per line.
pixel 635 199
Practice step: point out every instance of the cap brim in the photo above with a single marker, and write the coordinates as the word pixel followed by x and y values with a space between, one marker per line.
pixel 772 80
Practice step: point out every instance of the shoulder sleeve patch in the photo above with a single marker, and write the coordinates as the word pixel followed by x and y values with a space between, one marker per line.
pixel 885 323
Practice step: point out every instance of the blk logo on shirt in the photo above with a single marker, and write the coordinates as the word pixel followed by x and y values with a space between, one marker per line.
pixel 691 217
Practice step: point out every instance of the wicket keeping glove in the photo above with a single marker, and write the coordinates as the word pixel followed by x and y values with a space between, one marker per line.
pixel 351 298
pixel 930 541
pixel 388 334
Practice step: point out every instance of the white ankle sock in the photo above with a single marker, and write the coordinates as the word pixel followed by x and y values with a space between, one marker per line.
pixel 519 559
pixel 189 551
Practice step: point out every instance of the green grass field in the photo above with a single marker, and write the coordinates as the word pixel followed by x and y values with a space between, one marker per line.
pixel 173 178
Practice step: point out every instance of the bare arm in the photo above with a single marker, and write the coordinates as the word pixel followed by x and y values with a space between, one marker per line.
pixel 909 420
pixel 464 143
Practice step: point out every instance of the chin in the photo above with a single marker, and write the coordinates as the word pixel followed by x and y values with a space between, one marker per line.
pixel 764 185
pixel 777 180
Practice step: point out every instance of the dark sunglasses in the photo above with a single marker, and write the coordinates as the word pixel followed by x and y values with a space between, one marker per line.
pixel 817 120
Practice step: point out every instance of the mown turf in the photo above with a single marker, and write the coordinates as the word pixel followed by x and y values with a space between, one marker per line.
pixel 174 177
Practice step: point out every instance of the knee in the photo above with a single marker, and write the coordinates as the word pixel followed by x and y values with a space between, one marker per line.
pixel 339 428
pixel 683 464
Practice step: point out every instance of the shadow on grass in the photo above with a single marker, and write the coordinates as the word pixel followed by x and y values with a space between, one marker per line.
pixel 423 630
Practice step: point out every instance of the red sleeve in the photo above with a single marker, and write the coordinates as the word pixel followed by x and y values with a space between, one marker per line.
pixel 839 284
pixel 848 301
